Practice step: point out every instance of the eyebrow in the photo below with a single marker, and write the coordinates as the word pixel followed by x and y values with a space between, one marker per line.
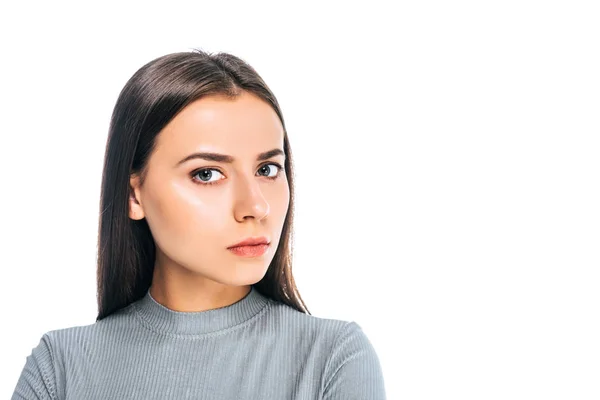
pixel 223 158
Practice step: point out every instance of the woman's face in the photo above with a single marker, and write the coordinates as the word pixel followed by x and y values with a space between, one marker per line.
pixel 196 208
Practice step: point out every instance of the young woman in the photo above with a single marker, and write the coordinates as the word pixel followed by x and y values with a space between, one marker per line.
pixel 196 296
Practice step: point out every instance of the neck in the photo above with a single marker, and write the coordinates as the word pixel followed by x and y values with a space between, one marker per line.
pixel 182 289
pixel 164 320
pixel 205 296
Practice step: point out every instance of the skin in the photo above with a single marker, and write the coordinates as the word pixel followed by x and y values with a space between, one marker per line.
pixel 193 223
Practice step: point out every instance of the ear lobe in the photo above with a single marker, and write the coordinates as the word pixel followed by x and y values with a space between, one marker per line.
pixel 136 211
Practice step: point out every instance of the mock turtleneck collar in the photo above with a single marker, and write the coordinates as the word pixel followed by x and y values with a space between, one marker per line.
pixel 164 320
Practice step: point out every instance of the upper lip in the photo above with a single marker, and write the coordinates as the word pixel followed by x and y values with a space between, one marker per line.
pixel 251 241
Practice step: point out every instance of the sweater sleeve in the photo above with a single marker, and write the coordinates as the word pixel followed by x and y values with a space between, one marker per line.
pixel 353 371
pixel 37 380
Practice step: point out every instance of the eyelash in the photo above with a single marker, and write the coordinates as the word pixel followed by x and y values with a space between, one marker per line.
pixel 195 172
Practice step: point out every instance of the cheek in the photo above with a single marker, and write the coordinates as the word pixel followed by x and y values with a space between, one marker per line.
pixel 280 201
pixel 181 217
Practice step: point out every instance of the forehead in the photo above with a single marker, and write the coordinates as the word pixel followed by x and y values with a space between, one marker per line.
pixel 246 124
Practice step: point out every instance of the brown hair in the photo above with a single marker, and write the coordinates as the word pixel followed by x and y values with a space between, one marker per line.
pixel 150 99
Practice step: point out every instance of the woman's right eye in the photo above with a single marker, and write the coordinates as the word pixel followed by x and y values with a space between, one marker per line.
pixel 205 175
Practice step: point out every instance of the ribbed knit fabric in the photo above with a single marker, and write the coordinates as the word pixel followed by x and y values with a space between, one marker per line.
pixel 256 348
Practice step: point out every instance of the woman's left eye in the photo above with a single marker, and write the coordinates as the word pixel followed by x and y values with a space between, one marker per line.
pixel 277 170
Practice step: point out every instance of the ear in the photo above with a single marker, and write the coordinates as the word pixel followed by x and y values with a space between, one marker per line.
pixel 136 211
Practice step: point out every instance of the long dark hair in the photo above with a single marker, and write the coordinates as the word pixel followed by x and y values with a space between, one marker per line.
pixel 150 99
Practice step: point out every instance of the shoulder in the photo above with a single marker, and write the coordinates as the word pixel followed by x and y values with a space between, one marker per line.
pixel 67 338
pixel 336 330
pixel 352 367
pixel 44 373
pixel 55 346
pixel 283 317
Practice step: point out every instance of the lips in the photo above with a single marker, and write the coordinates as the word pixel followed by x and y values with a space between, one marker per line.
pixel 252 241
pixel 250 251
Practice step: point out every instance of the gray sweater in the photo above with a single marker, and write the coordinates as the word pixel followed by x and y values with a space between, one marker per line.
pixel 254 349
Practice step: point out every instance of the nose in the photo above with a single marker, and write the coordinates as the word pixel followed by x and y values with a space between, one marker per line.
pixel 250 201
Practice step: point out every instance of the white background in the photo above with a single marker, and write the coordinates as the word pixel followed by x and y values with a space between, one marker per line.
pixel 447 163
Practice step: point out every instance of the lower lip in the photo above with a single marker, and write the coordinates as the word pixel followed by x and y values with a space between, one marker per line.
pixel 250 251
